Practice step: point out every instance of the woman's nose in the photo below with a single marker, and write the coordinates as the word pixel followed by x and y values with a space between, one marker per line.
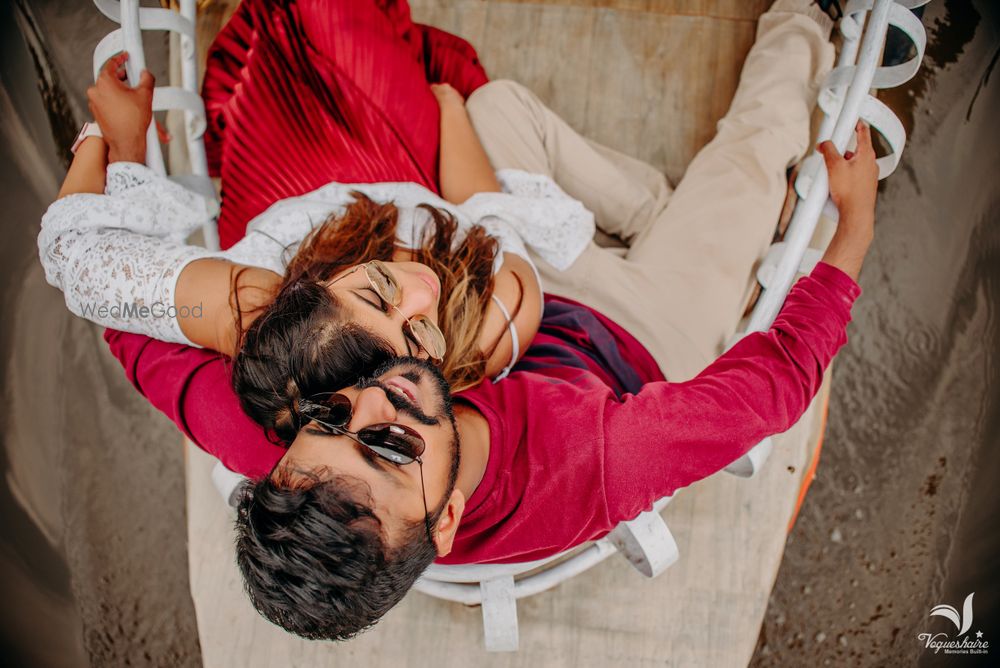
pixel 371 406
pixel 418 297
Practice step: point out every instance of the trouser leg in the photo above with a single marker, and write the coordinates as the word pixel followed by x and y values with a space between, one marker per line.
pixel 519 131
pixel 702 251
pixel 681 287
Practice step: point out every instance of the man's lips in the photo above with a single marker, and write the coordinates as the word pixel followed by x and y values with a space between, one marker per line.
pixel 408 387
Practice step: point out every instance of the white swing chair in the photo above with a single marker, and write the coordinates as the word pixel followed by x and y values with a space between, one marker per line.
pixel 133 20
pixel 645 541
pixel 844 98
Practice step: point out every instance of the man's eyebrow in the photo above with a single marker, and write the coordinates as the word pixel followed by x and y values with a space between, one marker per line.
pixel 432 421
pixel 384 469
pixel 365 453
pixel 376 307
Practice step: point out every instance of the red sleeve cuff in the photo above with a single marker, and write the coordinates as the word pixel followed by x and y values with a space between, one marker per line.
pixel 836 279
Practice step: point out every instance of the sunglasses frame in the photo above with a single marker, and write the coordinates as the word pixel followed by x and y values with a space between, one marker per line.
pixel 384 270
pixel 341 430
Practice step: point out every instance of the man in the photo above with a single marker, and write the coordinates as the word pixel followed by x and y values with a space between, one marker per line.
pixel 387 475
pixel 549 458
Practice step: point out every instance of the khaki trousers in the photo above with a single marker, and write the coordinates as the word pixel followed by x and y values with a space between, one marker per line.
pixel 682 284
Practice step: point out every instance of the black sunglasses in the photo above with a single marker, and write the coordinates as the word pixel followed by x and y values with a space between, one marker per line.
pixel 393 442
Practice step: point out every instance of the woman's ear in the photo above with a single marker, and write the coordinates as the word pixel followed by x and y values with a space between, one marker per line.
pixel 447 524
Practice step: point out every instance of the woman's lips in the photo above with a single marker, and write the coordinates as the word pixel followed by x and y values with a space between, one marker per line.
pixel 432 282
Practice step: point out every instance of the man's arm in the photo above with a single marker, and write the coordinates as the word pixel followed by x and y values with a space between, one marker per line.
pixel 670 435
pixel 192 388
pixel 853 181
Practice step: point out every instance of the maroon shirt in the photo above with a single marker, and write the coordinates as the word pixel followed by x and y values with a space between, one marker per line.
pixel 584 433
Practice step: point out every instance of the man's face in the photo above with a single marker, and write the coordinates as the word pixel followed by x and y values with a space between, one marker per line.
pixel 406 391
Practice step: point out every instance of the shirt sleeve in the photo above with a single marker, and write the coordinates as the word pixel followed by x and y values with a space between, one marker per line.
pixel 116 257
pixel 670 435
pixel 273 238
pixel 533 211
pixel 191 386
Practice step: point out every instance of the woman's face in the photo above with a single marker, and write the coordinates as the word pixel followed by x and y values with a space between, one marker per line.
pixel 419 292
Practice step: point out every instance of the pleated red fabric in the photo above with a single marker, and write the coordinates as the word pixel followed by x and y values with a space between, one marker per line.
pixel 301 93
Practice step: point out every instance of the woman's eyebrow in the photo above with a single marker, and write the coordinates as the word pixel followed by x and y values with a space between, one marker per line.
pixel 357 295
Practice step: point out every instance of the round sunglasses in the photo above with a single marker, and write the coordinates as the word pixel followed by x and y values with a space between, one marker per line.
pixel 420 329
pixel 393 442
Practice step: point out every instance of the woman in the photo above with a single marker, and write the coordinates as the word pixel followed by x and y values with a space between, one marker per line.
pixel 397 268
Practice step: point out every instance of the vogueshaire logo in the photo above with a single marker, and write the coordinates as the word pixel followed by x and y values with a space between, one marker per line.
pixel 960 643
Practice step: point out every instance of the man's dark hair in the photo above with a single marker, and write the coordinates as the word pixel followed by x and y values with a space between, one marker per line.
pixel 314 558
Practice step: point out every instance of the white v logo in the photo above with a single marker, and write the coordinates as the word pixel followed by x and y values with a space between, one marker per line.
pixel 962 622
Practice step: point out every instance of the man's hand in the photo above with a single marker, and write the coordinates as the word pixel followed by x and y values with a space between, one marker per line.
pixel 123 113
pixel 853 180
pixel 853 187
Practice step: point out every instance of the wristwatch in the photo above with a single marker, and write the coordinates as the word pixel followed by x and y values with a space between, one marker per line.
pixel 88 130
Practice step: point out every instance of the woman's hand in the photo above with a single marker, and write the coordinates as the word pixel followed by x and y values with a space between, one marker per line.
pixel 123 113
pixel 464 166
pixel 447 96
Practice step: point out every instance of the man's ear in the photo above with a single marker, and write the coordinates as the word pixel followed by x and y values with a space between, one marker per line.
pixel 447 524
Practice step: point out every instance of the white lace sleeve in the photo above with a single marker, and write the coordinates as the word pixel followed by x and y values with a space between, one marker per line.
pixel 116 257
pixel 533 211
pixel 160 207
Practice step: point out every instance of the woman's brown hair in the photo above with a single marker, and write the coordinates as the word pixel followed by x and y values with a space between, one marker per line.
pixel 301 343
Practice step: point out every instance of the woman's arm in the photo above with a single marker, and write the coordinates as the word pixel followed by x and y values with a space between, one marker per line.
pixel 516 286
pixel 87 171
pixel 465 169
pixel 211 285
pixel 126 113
pixel 113 242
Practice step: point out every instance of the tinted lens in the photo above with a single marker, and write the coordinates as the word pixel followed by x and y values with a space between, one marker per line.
pixel 383 282
pixel 428 335
pixel 333 409
pixel 397 443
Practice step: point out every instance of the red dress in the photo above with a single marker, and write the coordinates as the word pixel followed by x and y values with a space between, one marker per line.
pixel 300 93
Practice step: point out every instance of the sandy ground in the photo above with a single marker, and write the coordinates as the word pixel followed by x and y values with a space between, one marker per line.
pixel 897 520
pixel 94 559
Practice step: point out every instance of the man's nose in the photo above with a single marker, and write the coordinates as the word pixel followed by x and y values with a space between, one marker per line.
pixel 371 406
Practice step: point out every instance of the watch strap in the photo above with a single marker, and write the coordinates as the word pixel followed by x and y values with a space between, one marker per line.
pixel 89 129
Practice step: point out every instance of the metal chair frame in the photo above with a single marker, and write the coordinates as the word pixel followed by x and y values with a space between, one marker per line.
pixel 844 98
pixel 133 20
